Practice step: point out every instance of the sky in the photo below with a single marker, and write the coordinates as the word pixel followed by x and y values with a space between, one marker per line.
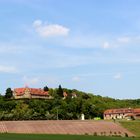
pixel 88 45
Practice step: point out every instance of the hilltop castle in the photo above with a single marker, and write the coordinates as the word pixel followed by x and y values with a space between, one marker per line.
pixel 29 93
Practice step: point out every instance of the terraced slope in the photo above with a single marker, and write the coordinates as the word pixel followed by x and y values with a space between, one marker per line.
pixel 64 127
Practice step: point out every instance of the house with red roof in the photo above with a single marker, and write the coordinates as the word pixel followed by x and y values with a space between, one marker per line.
pixel 122 113
pixel 29 93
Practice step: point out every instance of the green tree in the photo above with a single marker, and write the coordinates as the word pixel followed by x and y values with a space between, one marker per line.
pixel 60 91
pixel 9 93
pixel 46 88
pixel 21 111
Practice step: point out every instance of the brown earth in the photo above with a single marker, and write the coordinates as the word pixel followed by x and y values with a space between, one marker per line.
pixel 64 127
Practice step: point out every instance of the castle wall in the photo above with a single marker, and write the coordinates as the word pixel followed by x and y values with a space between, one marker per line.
pixel 26 94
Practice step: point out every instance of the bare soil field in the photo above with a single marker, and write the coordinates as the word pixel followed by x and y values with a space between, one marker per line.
pixel 78 127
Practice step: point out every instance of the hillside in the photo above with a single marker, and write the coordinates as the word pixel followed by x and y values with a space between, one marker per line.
pixel 133 126
pixel 58 108
pixel 88 127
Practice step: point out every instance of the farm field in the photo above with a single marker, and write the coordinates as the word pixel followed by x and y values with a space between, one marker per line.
pixel 133 126
pixel 73 127
pixel 58 137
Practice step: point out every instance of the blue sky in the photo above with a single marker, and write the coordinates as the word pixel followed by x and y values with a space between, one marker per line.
pixel 89 45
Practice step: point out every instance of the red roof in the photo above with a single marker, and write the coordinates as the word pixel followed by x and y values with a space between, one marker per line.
pixel 36 91
pixel 19 91
pixel 137 110
pixel 121 110
pixel 129 115
pixel 33 91
pixel 65 94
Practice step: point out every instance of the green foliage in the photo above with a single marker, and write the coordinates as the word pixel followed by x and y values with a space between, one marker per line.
pixel 70 108
pixel 60 91
pixel 133 126
pixel 9 93
pixel 59 137
pixel 46 88
pixel 21 111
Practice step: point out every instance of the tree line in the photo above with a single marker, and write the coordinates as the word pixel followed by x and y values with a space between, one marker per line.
pixel 59 108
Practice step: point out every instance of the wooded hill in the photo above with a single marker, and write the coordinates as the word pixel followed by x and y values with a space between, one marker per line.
pixel 58 108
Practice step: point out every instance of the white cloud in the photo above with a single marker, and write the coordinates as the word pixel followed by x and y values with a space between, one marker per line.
pixel 50 30
pixel 118 42
pixel 30 81
pixel 37 23
pixel 124 40
pixel 76 79
pixel 118 76
pixel 7 69
pixel 10 48
pixel 106 45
